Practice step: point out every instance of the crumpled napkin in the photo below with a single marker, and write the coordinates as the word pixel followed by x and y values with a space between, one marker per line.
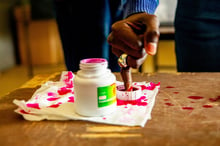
pixel 55 101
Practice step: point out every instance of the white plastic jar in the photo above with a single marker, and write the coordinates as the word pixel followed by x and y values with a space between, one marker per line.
pixel 94 88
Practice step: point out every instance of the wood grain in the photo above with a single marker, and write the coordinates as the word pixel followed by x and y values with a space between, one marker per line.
pixel 170 125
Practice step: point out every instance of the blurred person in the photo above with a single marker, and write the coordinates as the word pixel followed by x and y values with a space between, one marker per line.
pixel 197 35
pixel 88 27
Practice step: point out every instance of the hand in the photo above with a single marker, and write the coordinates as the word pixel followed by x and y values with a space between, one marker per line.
pixel 137 36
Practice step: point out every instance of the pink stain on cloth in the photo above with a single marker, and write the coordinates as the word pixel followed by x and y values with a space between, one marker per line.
pixel 55 101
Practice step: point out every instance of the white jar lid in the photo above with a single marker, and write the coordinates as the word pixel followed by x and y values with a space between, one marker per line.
pixel 121 94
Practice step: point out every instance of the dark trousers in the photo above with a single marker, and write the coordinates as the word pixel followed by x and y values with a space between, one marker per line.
pixel 197 35
pixel 84 27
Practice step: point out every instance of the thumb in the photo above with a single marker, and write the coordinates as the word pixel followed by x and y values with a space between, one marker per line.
pixel 151 41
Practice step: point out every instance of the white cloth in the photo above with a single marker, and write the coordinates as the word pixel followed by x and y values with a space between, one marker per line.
pixel 55 101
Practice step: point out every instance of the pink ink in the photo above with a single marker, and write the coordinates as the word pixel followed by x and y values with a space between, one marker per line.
pixel 192 101
pixel 166 99
pixel 187 108
pixel 152 86
pixel 176 92
pixel 169 104
pixel 138 102
pixel 104 118
pixel 143 87
pixel 207 106
pixel 55 105
pixel 71 99
pixel 23 112
pixel 214 99
pixel 33 105
pixel 195 97
pixel 53 98
pixel 64 90
pixel 93 60
pixel 69 84
pixel 69 75
pixel 52 94
pixel 170 87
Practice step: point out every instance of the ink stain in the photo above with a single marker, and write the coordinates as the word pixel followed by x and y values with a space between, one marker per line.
pixel 55 105
pixel 169 104
pixel 170 87
pixel 195 97
pixel 207 106
pixel 53 98
pixel 176 92
pixel 140 102
pixel 187 108
pixel 214 99
pixel 33 105
pixel 23 112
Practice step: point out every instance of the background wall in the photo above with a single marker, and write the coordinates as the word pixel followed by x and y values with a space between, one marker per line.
pixel 7 54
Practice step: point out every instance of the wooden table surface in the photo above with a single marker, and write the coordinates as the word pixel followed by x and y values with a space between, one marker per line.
pixel 186 112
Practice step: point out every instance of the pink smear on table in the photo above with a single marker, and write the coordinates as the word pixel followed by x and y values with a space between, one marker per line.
pixel 170 87
pixel 71 99
pixel 207 106
pixel 64 90
pixel 169 104
pixel 214 99
pixel 33 105
pixel 195 97
pixel 187 108
pixel 140 102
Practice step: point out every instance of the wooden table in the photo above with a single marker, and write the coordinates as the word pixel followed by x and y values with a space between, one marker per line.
pixel 186 112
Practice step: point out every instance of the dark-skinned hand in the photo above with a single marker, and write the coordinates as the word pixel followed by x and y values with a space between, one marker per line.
pixel 137 36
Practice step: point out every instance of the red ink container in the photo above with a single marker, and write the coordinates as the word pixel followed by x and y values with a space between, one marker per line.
pixel 94 88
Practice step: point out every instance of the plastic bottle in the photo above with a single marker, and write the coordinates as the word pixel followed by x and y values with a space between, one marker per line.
pixel 94 88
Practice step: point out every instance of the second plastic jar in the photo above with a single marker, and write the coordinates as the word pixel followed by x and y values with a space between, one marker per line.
pixel 94 88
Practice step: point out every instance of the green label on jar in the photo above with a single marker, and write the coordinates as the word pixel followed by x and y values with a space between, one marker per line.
pixel 106 95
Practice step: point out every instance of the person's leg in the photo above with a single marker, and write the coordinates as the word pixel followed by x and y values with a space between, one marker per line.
pixel 197 37
pixel 84 27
